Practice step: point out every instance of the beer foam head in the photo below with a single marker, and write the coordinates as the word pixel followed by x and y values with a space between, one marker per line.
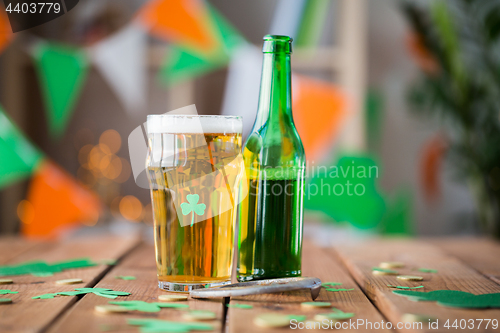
pixel 178 124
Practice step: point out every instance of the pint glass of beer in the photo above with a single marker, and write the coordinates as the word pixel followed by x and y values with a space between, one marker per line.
pixel 194 168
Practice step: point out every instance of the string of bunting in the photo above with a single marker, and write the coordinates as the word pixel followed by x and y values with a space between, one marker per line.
pixel 201 40
pixel 51 189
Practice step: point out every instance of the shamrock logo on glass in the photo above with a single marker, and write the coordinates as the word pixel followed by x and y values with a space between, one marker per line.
pixel 193 206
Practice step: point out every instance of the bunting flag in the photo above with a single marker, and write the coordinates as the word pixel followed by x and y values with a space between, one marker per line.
pixel 184 22
pixel 56 202
pixel 430 166
pixel 374 117
pixel 62 71
pixel 5 31
pixel 422 56
pixel 182 63
pixel 241 95
pixel 319 110
pixel 312 23
pixel 18 157
pixel 287 17
pixel 121 59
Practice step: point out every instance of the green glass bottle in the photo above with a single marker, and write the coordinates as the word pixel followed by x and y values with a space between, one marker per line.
pixel 270 217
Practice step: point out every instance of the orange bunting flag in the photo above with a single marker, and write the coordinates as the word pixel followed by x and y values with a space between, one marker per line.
pixel 5 31
pixel 422 56
pixel 430 165
pixel 319 110
pixel 56 202
pixel 185 22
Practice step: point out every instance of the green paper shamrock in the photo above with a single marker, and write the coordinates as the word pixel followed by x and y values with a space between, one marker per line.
pixel 41 268
pixel 193 206
pixel 296 317
pixel 390 271
pixel 7 291
pixel 239 306
pixel 427 270
pixel 454 298
pixel 103 292
pixel 341 289
pixel 330 284
pixel 342 188
pixel 158 326
pixel 126 277
pixel 338 314
pixel 45 296
pixel 148 307
pixel 323 304
pixel 403 287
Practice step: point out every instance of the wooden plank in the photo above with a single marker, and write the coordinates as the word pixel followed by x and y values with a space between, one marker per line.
pixel 35 315
pixel 141 264
pixel 316 262
pixel 11 247
pixel 452 275
pixel 468 250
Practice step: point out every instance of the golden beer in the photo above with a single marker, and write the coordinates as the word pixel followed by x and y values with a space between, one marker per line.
pixel 193 181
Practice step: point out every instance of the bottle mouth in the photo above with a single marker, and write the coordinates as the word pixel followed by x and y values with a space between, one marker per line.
pixel 277 44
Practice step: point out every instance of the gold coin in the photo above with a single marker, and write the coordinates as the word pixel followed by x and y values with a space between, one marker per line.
pixel 411 317
pixel 110 309
pixel 5 281
pixel 311 305
pixel 199 315
pixel 69 281
pixel 272 320
pixel 172 298
pixel 409 278
pixel 5 300
pixel 391 264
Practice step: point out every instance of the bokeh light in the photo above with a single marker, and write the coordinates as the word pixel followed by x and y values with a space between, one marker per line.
pixel 125 172
pixel 112 140
pixel 95 157
pixel 102 171
pixel 113 167
pixel 25 211
pixel 83 155
pixel 131 208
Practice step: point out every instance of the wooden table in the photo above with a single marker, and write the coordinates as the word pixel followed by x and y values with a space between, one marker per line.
pixel 471 265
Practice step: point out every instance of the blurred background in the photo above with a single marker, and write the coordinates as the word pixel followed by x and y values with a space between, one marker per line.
pixel 407 86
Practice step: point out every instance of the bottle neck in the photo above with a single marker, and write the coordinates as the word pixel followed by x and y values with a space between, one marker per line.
pixel 275 100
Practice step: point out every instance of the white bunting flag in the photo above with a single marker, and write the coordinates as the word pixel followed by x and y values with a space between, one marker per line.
pixel 241 96
pixel 121 59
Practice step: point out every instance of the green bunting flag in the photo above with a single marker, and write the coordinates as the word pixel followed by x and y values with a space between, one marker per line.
pixel 62 71
pixel 19 157
pixel 312 23
pixel 182 63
